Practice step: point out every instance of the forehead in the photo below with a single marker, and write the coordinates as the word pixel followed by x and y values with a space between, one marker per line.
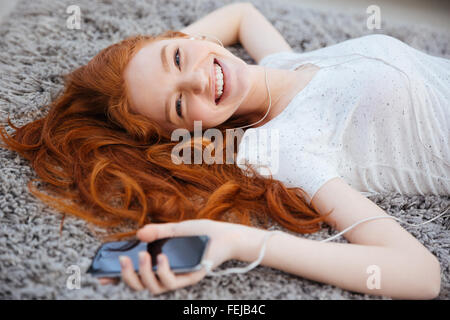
pixel 146 50
pixel 146 56
pixel 140 76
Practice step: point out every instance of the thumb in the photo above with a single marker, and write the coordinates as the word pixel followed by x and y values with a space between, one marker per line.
pixel 155 231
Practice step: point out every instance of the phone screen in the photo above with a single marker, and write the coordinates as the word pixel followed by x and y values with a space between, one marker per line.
pixel 184 253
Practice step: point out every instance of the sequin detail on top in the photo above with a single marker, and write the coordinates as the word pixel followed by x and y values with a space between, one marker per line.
pixel 376 114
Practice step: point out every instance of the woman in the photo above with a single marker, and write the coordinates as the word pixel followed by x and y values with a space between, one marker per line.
pixel 107 140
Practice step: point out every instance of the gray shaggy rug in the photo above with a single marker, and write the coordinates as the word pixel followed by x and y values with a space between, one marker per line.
pixel 36 48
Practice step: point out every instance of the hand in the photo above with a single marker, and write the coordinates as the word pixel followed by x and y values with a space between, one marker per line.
pixel 222 247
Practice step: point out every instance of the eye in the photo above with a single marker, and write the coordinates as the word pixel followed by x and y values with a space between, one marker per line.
pixel 177 60
pixel 178 102
pixel 178 107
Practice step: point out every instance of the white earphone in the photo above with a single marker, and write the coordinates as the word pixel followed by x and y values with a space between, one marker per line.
pixel 267 85
pixel 208 264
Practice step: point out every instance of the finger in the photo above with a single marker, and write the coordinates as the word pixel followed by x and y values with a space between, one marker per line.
pixel 151 232
pixel 147 276
pixel 129 276
pixel 167 277
pixel 190 278
pixel 104 281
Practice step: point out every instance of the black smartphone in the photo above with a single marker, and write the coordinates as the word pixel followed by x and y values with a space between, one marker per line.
pixel 184 253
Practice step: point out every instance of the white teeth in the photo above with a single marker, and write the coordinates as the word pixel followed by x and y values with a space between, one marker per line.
pixel 219 75
pixel 219 81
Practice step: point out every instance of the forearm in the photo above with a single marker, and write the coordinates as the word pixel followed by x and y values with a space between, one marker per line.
pixel 223 23
pixel 402 274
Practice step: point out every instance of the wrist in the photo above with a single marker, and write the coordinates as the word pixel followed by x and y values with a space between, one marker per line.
pixel 248 242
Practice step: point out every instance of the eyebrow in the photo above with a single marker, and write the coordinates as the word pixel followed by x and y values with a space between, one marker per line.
pixel 164 58
pixel 167 69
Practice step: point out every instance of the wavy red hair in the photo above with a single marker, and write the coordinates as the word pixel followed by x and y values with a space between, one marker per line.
pixel 115 167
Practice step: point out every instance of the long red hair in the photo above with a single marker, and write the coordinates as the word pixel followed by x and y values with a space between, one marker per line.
pixel 115 168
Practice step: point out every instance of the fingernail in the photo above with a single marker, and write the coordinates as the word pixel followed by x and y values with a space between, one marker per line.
pixel 160 259
pixel 141 257
pixel 122 260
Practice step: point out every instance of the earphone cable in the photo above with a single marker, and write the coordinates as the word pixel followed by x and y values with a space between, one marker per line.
pixel 208 264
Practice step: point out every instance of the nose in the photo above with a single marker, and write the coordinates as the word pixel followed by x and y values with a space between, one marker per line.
pixel 195 81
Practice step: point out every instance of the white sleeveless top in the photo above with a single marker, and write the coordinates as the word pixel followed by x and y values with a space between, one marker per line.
pixel 357 119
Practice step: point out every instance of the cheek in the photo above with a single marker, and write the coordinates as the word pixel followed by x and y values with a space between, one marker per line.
pixel 201 111
pixel 207 114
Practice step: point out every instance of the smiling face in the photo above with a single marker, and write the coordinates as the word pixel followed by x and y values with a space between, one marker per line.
pixel 173 81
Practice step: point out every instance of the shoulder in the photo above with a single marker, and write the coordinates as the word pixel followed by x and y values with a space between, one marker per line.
pixel 367 44
pixel 379 37
pixel 376 39
pixel 279 59
pixel 384 45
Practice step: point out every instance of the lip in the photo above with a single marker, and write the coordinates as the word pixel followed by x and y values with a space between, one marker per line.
pixel 215 60
pixel 213 82
pixel 226 84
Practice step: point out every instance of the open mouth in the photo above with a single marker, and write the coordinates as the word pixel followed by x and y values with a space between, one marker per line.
pixel 218 100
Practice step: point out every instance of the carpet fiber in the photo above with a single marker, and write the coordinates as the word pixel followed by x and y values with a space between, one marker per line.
pixel 36 48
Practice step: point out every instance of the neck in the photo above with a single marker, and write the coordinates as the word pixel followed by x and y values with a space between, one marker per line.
pixel 256 103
